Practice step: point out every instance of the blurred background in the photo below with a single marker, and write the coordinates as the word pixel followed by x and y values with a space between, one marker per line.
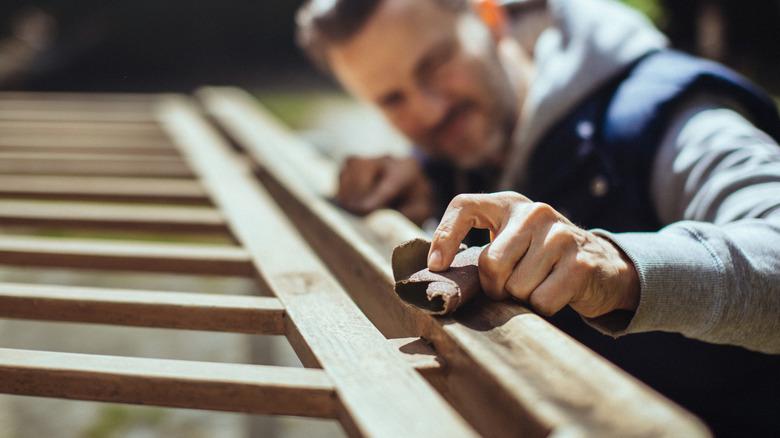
pixel 147 45
pixel 178 45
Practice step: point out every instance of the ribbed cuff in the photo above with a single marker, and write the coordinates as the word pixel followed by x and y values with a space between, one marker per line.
pixel 681 284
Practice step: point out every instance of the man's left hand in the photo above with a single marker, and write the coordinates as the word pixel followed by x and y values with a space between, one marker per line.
pixel 537 256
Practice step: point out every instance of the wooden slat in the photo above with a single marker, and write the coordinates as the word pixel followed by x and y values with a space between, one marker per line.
pixel 68 114
pixel 89 135
pixel 48 98
pixel 20 129
pixel 76 107
pixel 92 216
pixel 164 190
pixel 420 355
pixel 120 255
pixel 175 310
pixel 80 128
pixel 381 393
pixel 255 389
pixel 21 163
pixel 77 141
pixel 87 138
pixel 142 150
pixel 507 368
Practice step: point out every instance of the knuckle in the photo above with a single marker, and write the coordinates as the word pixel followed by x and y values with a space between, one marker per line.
pixel 560 236
pixel 442 233
pixel 463 200
pixel 517 289
pixel 490 288
pixel 489 264
pixel 513 197
pixel 543 304
pixel 582 266
pixel 587 262
pixel 541 211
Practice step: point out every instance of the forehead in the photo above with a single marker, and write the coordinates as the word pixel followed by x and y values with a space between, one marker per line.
pixel 389 45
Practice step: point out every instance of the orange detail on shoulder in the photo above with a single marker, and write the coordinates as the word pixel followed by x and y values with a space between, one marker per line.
pixel 492 14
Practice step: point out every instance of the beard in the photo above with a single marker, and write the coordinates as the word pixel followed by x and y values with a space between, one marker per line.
pixel 470 135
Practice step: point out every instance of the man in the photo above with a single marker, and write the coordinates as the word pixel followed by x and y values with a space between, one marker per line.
pixel 635 185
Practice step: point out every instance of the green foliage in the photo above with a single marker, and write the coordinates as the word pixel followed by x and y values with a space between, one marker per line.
pixel 115 421
pixel 296 108
pixel 651 8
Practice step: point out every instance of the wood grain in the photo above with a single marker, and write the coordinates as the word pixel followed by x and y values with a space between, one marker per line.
pixel 255 389
pixel 161 190
pixel 122 255
pixel 44 163
pixel 381 393
pixel 507 370
pixel 175 310
pixel 176 219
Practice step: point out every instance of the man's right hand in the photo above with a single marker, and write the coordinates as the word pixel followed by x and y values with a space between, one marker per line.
pixel 368 184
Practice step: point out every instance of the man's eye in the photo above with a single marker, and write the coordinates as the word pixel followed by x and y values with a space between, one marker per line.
pixel 437 60
pixel 392 100
pixel 442 58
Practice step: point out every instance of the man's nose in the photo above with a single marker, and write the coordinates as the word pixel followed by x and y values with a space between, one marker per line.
pixel 430 107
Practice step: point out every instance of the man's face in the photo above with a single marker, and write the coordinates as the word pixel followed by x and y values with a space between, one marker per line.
pixel 436 76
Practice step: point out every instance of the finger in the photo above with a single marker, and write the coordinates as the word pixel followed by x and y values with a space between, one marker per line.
pixel 466 211
pixel 537 264
pixel 347 177
pixel 359 177
pixel 390 186
pixel 344 179
pixel 497 260
pixel 555 292
pixel 417 209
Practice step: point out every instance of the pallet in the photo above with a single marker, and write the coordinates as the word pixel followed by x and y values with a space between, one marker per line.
pixel 218 163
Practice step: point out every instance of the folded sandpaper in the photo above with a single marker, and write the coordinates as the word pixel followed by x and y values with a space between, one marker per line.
pixel 437 293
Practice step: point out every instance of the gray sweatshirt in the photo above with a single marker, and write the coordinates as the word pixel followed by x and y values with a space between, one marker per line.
pixel 713 272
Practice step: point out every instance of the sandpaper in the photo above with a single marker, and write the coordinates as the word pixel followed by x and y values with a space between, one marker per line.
pixel 437 293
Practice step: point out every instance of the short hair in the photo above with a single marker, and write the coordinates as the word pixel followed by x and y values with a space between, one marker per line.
pixel 324 22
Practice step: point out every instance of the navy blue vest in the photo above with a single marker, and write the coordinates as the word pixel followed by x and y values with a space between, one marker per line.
pixel 594 167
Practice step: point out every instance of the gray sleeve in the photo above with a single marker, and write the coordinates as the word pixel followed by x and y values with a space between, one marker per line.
pixel 713 272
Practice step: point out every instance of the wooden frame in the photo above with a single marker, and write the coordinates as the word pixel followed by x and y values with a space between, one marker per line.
pixel 375 364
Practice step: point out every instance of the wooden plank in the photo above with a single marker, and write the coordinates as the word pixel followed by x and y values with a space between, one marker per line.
pixel 21 97
pixel 76 107
pixel 420 355
pixel 175 310
pixel 121 255
pixel 381 393
pixel 74 114
pixel 506 368
pixel 21 163
pixel 106 142
pixel 150 150
pixel 253 128
pixel 90 137
pixel 92 216
pixel 163 190
pixel 64 127
pixel 91 134
pixel 256 389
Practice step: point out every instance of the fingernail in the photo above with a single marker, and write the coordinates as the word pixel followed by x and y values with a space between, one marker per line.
pixel 434 259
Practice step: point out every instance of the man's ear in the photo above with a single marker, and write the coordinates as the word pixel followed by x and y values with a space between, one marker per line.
pixel 493 15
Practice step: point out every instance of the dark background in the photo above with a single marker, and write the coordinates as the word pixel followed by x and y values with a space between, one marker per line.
pixel 176 45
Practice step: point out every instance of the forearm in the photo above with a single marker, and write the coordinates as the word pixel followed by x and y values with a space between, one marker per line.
pixel 719 284
pixel 713 273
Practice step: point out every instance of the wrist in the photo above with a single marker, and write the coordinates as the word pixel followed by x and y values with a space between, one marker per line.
pixel 629 283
